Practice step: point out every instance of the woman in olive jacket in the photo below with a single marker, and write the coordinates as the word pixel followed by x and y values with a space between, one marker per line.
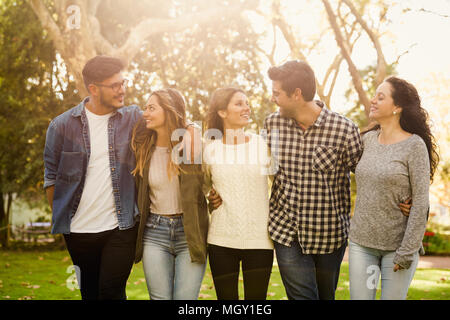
pixel 173 212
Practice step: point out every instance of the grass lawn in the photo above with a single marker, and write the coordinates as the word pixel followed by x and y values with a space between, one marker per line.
pixel 45 275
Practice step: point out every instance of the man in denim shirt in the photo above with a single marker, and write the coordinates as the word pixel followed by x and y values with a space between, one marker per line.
pixel 88 181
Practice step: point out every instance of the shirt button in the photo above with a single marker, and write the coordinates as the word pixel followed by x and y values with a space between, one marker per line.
pixel 112 169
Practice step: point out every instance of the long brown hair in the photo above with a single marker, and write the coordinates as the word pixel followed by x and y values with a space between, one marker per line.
pixel 413 118
pixel 144 139
pixel 219 101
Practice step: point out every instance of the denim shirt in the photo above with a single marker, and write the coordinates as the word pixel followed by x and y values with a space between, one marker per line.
pixel 66 156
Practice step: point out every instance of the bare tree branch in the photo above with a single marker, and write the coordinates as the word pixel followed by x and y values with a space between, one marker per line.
pixel 381 62
pixel 77 45
pixel 93 6
pixel 60 8
pixel 346 54
pixel 154 26
pixel 287 32
pixel 102 45
pixel 435 13
pixel 405 52
pixel 46 19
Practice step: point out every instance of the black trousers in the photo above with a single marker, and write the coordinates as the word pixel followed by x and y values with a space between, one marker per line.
pixel 105 260
pixel 225 266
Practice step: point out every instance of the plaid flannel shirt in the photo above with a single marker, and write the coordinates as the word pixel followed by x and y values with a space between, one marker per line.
pixel 310 196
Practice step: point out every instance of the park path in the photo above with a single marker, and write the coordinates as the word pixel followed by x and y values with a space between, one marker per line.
pixel 432 262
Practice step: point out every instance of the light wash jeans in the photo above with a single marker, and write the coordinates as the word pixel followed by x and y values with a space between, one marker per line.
pixel 365 267
pixel 168 269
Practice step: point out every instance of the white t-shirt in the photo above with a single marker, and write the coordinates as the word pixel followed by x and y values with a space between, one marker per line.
pixel 96 211
pixel 239 174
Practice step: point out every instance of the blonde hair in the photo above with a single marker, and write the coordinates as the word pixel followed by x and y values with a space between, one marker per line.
pixel 144 139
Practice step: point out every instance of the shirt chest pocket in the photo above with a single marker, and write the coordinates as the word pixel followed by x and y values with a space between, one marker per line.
pixel 324 158
pixel 70 167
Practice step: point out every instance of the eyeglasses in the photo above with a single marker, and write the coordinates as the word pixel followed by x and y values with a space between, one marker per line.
pixel 115 86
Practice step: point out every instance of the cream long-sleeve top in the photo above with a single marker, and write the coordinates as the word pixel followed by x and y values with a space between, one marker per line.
pixel 239 174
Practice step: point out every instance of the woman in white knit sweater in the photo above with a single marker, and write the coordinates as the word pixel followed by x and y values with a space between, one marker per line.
pixel 237 164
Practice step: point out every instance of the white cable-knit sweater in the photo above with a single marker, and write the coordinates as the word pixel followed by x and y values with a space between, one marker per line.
pixel 239 175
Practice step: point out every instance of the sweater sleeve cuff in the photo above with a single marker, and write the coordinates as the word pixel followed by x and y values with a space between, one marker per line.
pixel 402 261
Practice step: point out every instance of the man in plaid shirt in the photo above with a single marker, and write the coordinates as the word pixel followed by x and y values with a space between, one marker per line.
pixel 315 149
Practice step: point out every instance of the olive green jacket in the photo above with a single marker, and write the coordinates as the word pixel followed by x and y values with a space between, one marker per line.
pixel 195 210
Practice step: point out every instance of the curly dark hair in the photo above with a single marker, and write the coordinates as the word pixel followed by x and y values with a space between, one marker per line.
pixel 413 118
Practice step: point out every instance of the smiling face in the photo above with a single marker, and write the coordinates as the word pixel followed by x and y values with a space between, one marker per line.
pixel 109 97
pixel 237 114
pixel 281 99
pixel 154 114
pixel 382 105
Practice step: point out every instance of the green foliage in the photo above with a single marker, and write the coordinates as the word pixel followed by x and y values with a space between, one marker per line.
pixel 35 87
pixel 436 243
pixel 27 72
pixel 201 59
pixel 31 92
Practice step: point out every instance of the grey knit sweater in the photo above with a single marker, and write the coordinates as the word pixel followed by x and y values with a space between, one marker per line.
pixel 385 176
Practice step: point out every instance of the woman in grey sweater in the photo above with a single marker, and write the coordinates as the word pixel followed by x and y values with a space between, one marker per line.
pixel 398 162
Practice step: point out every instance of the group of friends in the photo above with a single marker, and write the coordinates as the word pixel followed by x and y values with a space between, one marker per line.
pixel 120 194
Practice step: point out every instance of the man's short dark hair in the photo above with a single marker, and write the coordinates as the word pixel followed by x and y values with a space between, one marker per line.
pixel 101 68
pixel 295 74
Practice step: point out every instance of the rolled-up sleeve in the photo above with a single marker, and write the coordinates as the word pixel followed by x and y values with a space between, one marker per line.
pixel 52 151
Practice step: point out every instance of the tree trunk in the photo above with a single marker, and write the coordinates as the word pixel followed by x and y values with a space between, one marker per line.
pixel 79 40
pixel 354 73
pixel 381 61
pixel 4 220
pixel 296 46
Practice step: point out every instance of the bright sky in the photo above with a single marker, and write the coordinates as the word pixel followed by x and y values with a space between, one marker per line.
pixel 424 35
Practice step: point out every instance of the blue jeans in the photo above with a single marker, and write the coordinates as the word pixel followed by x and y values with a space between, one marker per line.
pixel 365 267
pixel 168 269
pixel 308 276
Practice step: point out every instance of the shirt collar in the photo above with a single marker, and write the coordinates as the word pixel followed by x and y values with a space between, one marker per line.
pixel 322 115
pixel 320 119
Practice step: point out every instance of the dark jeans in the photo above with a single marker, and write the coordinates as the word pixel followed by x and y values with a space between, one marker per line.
pixel 256 269
pixel 105 260
pixel 309 276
